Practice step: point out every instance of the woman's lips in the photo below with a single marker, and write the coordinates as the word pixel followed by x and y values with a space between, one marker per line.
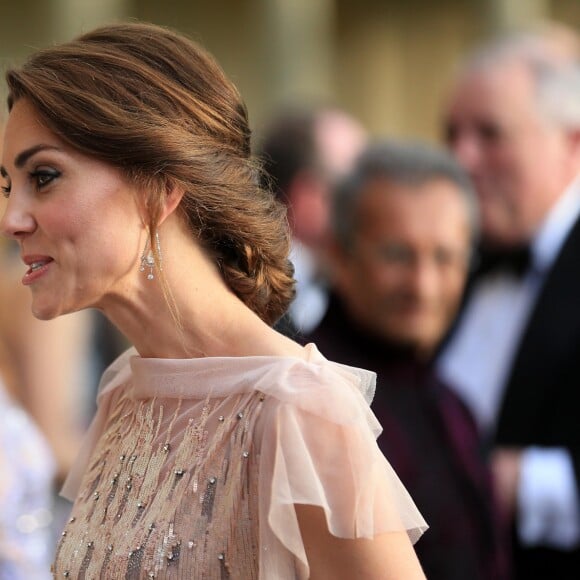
pixel 37 267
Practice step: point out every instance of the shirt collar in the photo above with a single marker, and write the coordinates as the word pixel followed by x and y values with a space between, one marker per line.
pixel 548 241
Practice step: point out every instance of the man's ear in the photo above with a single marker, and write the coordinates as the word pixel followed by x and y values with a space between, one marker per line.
pixel 575 137
pixel 173 195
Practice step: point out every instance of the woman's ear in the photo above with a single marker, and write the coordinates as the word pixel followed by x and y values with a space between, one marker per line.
pixel 173 195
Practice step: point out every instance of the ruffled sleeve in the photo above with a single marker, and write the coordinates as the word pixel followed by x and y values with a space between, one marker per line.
pixel 318 447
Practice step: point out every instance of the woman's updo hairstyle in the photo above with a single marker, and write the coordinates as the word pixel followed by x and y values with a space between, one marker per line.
pixel 155 104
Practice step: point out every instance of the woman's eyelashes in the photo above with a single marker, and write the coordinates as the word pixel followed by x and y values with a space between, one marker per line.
pixel 40 178
pixel 43 176
pixel 5 188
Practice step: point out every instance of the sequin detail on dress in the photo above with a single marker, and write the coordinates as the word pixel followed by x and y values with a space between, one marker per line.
pixel 191 468
pixel 148 508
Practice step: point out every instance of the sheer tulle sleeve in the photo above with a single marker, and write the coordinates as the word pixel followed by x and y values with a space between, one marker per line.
pixel 318 448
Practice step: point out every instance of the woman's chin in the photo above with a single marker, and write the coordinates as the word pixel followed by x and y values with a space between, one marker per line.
pixel 46 312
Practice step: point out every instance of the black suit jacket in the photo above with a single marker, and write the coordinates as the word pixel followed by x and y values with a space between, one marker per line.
pixel 541 404
pixel 541 401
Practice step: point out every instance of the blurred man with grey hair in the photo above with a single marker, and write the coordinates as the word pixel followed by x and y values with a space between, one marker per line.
pixel 513 122
pixel 403 224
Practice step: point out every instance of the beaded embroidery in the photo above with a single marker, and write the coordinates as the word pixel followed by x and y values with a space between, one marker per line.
pixel 148 508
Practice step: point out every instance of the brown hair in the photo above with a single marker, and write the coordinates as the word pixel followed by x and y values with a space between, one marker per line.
pixel 155 104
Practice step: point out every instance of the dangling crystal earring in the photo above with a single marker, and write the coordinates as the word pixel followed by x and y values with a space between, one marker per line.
pixel 148 258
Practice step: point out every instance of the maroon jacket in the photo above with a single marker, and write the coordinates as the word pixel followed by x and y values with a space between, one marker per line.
pixel 431 441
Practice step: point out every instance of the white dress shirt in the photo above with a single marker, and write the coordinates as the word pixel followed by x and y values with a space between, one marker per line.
pixel 311 301
pixel 476 364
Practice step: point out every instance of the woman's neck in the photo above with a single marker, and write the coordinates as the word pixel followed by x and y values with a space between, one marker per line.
pixel 211 320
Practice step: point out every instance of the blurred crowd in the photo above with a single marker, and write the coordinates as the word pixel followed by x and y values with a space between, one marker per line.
pixel 452 271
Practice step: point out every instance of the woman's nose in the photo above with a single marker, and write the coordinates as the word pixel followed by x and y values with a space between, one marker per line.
pixel 17 221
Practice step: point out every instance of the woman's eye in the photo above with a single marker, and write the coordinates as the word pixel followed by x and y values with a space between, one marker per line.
pixel 43 177
pixel 5 191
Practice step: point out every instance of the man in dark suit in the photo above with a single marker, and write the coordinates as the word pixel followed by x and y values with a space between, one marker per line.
pixel 513 121
pixel 403 224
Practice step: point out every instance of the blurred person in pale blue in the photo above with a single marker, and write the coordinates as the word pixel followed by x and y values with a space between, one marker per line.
pixel 26 475
pixel 28 465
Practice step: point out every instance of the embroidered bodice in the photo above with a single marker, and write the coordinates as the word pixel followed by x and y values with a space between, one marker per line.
pixel 192 468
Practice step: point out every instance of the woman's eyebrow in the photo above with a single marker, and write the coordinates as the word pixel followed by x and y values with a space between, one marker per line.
pixel 25 155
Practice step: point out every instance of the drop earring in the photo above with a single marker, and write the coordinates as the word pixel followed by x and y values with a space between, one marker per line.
pixel 148 258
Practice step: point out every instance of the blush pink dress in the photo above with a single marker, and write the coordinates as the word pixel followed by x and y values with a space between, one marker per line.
pixel 192 467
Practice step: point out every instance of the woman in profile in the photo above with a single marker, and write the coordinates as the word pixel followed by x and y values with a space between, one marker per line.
pixel 220 448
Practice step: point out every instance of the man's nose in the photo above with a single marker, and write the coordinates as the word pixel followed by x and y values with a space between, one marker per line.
pixel 467 150
pixel 424 278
